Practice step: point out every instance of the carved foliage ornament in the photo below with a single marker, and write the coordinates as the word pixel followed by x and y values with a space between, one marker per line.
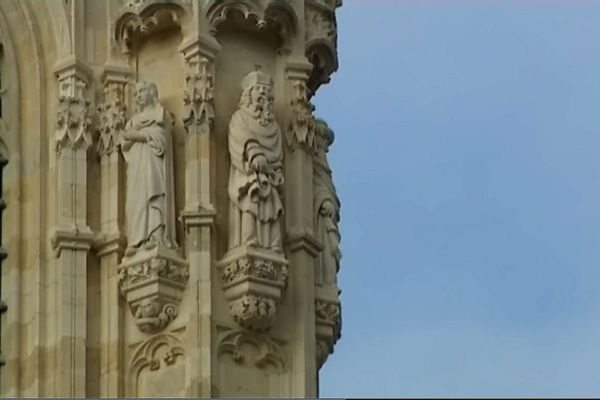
pixel 253 281
pixel 199 95
pixel 328 328
pixel 112 118
pixel 73 120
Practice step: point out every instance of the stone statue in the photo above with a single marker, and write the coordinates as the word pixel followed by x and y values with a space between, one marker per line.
pixel 147 148
pixel 327 208
pixel 256 175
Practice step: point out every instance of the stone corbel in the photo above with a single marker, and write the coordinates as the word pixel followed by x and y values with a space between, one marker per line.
pixel 153 282
pixel 253 280
pixel 328 320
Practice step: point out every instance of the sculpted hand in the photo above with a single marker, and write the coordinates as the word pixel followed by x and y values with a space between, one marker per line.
pixel 259 163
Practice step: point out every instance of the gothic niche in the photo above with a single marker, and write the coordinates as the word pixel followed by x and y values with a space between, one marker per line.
pixel 254 270
pixel 139 19
pixel 152 275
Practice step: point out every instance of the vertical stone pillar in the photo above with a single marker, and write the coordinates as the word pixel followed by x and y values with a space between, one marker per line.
pixel 3 255
pixel 111 241
pixel 301 244
pixel 72 238
pixel 199 213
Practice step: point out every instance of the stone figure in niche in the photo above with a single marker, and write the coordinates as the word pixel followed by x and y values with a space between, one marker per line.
pixel 147 148
pixel 256 175
pixel 327 208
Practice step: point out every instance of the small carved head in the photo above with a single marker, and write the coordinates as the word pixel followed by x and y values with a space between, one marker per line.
pixel 146 94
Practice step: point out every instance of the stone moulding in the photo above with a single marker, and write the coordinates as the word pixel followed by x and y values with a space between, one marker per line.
pixel 253 281
pixel 153 282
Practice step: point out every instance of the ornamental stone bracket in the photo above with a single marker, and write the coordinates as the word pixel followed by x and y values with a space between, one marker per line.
pixel 328 320
pixel 153 282
pixel 253 280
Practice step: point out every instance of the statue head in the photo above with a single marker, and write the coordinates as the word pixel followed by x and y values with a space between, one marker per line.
pixel 145 94
pixel 257 96
pixel 324 134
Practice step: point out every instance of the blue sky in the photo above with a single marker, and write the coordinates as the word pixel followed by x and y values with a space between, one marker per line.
pixel 467 159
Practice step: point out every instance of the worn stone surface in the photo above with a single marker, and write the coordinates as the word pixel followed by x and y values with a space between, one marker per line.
pixel 216 274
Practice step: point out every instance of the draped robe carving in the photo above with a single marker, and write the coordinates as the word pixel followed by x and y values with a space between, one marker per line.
pixel 147 148
pixel 256 175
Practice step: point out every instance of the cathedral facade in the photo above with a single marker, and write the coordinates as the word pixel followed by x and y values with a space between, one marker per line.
pixel 169 221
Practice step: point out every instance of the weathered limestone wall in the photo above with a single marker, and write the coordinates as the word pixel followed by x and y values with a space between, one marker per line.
pixel 88 316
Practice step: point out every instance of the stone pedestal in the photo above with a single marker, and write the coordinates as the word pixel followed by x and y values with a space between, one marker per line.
pixel 253 281
pixel 328 321
pixel 153 282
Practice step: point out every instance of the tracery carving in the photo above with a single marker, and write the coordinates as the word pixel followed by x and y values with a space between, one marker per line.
pixel 138 19
pixel 74 118
pixel 253 348
pixel 145 356
pixel 301 130
pixel 277 16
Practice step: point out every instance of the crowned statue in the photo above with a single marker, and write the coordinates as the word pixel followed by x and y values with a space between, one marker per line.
pixel 256 174
pixel 147 148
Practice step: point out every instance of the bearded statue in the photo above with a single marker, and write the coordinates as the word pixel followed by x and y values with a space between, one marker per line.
pixel 256 175
pixel 147 148
pixel 327 209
